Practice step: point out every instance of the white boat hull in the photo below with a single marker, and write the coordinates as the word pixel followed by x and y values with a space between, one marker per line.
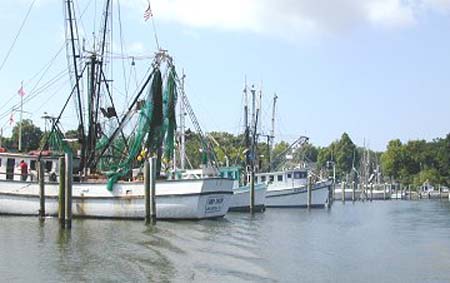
pixel 297 197
pixel 187 199
pixel 240 201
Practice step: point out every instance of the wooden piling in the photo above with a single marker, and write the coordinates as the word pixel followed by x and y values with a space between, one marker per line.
pixel 153 190
pixel 252 190
pixel 333 190
pixel 371 192
pixel 149 190
pixel 309 191
pixel 343 191
pixel 440 191
pixel 353 191
pixel 68 189
pixel 384 190
pixel 41 178
pixel 62 193
pixel 396 189
pixel 409 192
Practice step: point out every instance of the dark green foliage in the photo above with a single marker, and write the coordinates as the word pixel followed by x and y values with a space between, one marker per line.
pixel 31 136
pixel 418 161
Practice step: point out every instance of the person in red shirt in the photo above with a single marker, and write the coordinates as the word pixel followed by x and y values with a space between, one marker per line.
pixel 23 170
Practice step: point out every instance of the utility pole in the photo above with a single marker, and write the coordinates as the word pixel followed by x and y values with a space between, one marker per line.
pixel 21 94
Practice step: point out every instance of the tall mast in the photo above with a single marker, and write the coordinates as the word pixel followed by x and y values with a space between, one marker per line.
pixel 253 91
pixel 247 128
pixel 272 130
pixel 75 56
pixel 182 126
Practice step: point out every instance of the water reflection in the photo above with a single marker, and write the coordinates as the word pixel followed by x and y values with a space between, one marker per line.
pixel 351 242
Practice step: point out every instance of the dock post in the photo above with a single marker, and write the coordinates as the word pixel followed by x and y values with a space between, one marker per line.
pixel 343 191
pixel 149 190
pixel 68 188
pixel 384 190
pixel 396 187
pixel 41 190
pixel 62 193
pixel 333 190
pixel 371 192
pixel 252 190
pixel 153 190
pixel 309 191
pixel 353 191
pixel 409 192
pixel 440 192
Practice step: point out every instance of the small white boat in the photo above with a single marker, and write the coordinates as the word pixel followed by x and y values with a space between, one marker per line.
pixel 175 199
pixel 288 188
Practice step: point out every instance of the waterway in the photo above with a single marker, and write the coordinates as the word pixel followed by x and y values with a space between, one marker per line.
pixel 383 241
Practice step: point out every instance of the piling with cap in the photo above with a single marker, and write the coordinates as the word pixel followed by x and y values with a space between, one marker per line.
pixel 371 192
pixel 252 190
pixel 62 192
pixel 41 178
pixel 68 189
pixel 149 190
pixel 309 193
pixel 353 191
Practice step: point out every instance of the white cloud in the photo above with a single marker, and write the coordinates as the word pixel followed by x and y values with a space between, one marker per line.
pixel 291 17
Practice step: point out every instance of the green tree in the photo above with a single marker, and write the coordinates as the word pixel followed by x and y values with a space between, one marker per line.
pixel 31 135
pixel 345 154
pixel 392 159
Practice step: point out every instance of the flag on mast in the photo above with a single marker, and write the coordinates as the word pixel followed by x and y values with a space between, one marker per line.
pixel 21 91
pixel 148 12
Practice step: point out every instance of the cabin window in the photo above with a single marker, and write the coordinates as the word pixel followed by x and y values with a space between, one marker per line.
pixel 0 162
pixel 289 175
pixel 271 178
pixel 280 178
pixel 297 175
pixel 33 164
pixel 263 178
pixel 48 166
pixel 256 179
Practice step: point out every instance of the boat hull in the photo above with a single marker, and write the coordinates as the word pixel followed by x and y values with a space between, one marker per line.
pixel 191 199
pixel 241 198
pixel 297 197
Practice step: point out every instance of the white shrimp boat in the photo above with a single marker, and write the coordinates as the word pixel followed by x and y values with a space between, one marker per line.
pixel 288 188
pixel 175 199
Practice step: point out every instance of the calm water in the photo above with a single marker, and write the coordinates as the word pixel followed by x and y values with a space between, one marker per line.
pixel 392 241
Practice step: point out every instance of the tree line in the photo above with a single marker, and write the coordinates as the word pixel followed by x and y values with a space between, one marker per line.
pixel 413 162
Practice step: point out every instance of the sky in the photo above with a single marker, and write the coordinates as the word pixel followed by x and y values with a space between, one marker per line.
pixel 376 69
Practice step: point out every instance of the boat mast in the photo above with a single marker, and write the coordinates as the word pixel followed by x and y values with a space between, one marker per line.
pixel 182 126
pixel 75 56
pixel 247 129
pixel 96 64
pixel 272 131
